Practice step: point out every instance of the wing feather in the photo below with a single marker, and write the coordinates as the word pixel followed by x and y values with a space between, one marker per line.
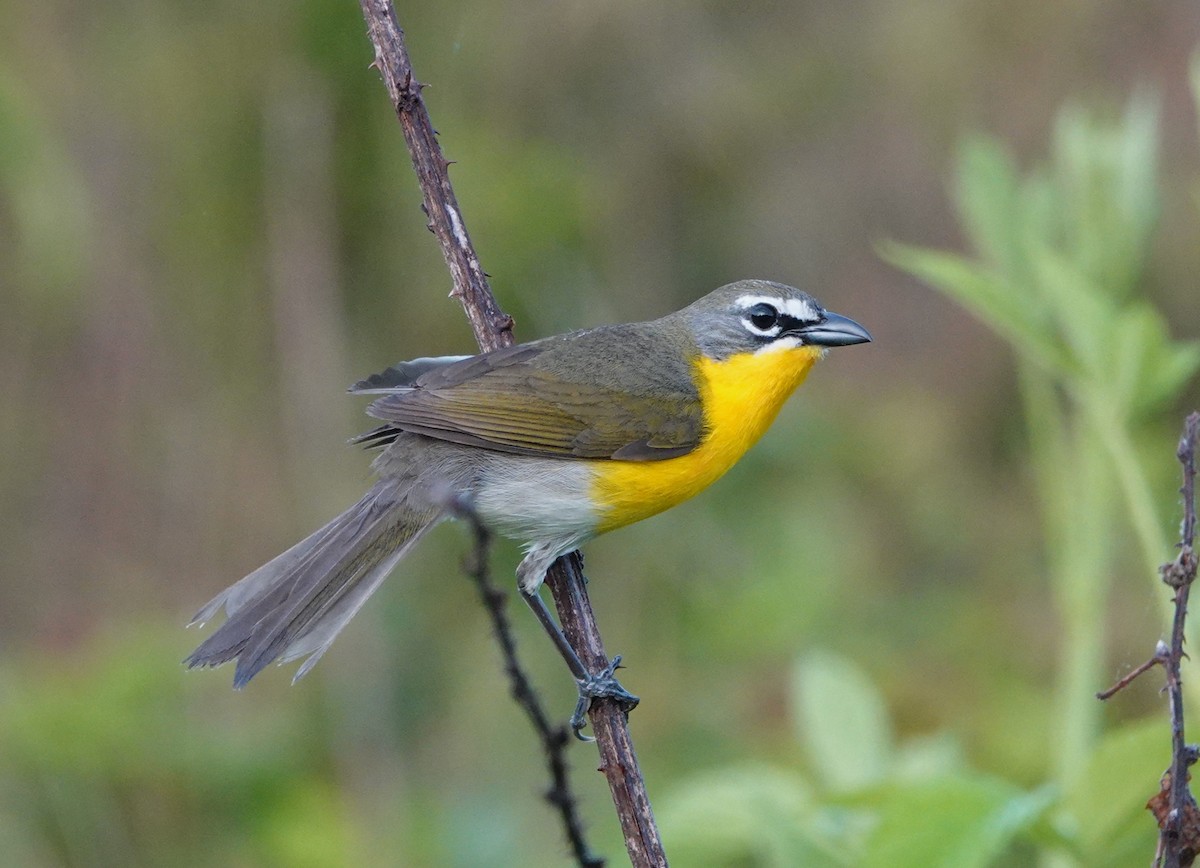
pixel 538 399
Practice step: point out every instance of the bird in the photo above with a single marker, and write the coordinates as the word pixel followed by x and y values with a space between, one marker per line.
pixel 551 443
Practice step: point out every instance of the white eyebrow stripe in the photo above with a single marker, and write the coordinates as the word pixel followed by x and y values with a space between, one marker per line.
pixel 797 308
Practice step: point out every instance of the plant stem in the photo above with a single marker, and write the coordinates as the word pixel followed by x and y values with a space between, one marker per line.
pixel 1075 481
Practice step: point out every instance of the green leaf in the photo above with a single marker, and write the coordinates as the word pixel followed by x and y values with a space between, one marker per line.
pixel 1137 167
pixel 987 198
pixel 752 815
pixel 1106 810
pixel 1086 317
pixel 1040 221
pixel 1134 352
pixel 1175 367
pixel 929 757
pixel 956 822
pixel 842 721
pixel 1106 174
pixel 991 298
pixel 1148 368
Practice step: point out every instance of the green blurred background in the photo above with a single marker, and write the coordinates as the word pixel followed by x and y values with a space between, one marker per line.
pixel 852 650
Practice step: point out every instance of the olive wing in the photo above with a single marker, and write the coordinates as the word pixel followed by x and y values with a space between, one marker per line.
pixel 520 401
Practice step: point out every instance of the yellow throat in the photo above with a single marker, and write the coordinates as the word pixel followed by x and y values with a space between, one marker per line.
pixel 741 396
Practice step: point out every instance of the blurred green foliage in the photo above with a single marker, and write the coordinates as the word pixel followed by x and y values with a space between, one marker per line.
pixel 867 644
pixel 920 803
pixel 1061 258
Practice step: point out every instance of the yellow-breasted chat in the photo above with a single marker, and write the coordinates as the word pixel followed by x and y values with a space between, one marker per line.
pixel 550 443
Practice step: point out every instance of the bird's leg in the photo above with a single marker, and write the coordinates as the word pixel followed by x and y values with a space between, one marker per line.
pixel 530 574
pixel 592 685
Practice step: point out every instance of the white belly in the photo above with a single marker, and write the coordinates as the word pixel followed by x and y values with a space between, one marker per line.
pixel 537 499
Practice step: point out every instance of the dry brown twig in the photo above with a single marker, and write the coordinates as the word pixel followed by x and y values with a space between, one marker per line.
pixel 493 329
pixel 1173 806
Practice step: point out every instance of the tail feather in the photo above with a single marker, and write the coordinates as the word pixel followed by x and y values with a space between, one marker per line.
pixel 316 639
pixel 296 604
pixel 261 588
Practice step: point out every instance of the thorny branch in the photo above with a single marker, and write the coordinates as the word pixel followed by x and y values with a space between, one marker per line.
pixel 1174 807
pixel 493 329
pixel 554 738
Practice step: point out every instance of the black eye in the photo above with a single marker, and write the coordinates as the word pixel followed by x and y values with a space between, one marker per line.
pixel 762 316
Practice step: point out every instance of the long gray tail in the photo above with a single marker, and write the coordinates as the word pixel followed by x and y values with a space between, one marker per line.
pixel 295 605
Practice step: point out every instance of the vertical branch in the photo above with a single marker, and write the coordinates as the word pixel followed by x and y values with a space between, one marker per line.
pixel 1173 806
pixel 609 722
pixel 492 326
pixel 493 329
pixel 1179 831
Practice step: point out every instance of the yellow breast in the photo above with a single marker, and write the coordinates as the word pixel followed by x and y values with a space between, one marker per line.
pixel 741 395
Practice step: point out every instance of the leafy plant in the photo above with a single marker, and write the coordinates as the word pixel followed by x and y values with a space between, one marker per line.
pixel 1060 255
pixel 871 800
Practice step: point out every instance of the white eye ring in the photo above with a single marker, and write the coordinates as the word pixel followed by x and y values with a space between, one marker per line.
pixel 763 316
pixel 763 320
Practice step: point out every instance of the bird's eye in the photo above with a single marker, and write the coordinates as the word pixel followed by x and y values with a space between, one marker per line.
pixel 763 317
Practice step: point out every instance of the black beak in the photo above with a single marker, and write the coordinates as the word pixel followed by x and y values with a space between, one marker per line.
pixel 834 330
